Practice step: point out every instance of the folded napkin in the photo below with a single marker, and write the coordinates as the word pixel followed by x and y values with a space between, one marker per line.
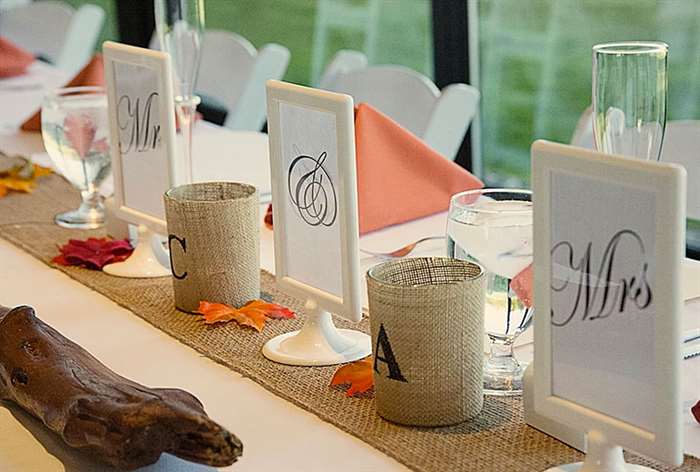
pixel 399 177
pixel 13 59
pixel 92 74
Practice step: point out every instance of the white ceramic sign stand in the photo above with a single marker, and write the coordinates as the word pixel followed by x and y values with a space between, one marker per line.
pixel 319 342
pixel 312 153
pixel 143 262
pixel 607 271
pixel 601 456
pixel 144 158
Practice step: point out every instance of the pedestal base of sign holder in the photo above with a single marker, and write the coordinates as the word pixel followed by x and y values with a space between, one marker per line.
pixel 601 456
pixel 143 262
pixel 318 343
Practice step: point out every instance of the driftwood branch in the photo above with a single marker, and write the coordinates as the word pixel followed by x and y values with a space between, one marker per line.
pixel 119 422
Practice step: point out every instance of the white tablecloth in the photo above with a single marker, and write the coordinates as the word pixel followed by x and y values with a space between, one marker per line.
pixel 277 435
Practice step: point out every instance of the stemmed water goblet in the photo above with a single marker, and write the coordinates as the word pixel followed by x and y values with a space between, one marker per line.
pixel 493 227
pixel 75 130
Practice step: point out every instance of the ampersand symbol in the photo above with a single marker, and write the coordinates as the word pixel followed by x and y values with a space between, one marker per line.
pixel 311 190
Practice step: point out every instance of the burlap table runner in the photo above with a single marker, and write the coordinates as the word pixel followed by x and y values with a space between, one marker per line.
pixel 496 440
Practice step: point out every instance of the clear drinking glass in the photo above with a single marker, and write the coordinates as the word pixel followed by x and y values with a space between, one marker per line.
pixel 75 129
pixel 494 228
pixel 180 26
pixel 629 97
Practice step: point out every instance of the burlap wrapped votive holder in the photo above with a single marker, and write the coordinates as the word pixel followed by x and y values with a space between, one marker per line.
pixel 427 324
pixel 214 242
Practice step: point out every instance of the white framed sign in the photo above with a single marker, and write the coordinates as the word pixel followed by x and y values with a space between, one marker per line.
pixel 314 199
pixel 609 241
pixel 312 153
pixel 145 163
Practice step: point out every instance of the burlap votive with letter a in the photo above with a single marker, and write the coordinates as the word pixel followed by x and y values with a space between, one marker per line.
pixel 427 322
pixel 214 242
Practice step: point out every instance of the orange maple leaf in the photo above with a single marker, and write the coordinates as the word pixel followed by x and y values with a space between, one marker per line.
pixel 17 184
pixel 253 314
pixel 41 171
pixel 272 310
pixel 357 375
pixel 19 180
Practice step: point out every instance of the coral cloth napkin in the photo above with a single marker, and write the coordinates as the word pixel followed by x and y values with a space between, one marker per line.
pixel 13 59
pixel 399 177
pixel 92 74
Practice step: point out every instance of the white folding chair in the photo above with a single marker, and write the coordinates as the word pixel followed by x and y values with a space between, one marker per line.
pixel 343 15
pixel 681 146
pixel 440 118
pixel 234 73
pixel 7 4
pixel 56 31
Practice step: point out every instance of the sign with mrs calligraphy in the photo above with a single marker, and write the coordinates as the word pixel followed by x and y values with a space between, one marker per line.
pixel 144 160
pixel 609 241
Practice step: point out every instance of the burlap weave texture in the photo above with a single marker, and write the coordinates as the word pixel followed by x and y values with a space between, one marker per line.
pixel 496 440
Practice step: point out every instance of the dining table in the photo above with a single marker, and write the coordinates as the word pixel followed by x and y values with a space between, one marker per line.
pixel 278 435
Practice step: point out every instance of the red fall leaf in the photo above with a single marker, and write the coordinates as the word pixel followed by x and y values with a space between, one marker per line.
pixel 357 376
pixel 93 253
pixel 696 411
pixel 253 314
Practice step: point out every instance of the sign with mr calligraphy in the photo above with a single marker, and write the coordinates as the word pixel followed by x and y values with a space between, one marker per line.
pixel 138 118
pixel 142 132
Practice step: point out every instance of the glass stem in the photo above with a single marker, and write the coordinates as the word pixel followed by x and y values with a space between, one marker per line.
pixel 500 349
pixel 91 201
pixel 501 358
pixel 186 109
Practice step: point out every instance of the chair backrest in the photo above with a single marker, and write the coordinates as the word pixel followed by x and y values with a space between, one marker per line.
pixel 440 118
pixel 39 27
pixel 344 61
pixel 7 4
pixel 55 30
pixel 681 146
pixel 83 35
pixel 233 73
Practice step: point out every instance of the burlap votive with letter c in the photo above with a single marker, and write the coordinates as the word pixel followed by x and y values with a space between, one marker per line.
pixel 427 322
pixel 214 242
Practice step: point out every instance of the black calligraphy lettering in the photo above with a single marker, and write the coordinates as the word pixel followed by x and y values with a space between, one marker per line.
pixel 134 119
pixel 183 245
pixel 312 191
pixel 601 293
pixel 387 356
